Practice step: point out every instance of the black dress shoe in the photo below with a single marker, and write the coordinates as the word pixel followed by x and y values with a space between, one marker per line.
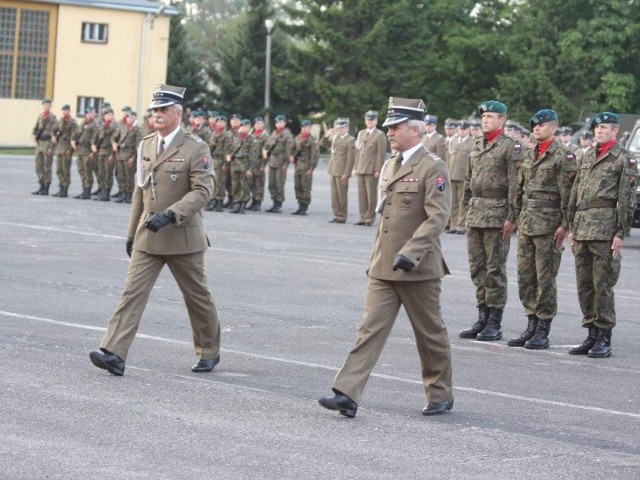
pixel 437 408
pixel 340 402
pixel 108 361
pixel 360 223
pixel 205 364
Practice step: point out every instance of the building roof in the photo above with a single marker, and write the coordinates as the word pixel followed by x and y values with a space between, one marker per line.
pixel 143 6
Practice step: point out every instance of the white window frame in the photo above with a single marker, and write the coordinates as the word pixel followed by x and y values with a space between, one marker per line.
pixel 95 32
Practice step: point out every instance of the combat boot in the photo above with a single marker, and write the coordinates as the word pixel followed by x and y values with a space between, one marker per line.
pixel 86 194
pixel 249 206
pixel 242 209
pixel 65 192
pixel 38 191
pixel 278 208
pixel 256 206
pixel 218 207
pixel 59 192
pixel 298 211
pixel 105 196
pixel 228 203
pixel 231 205
pixel 236 208
pixel 587 344
pixel 122 198
pixel 45 189
pixel 476 328
pixel 526 335
pixel 128 198
pixel 492 330
pixel 540 339
pixel 602 347
pixel 210 205
pixel 305 207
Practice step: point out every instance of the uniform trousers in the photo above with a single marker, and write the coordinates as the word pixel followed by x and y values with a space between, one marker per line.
pixel 86 167
pixel 188 270
pixel 125 174
pixel 63 166
pixel 339 197
pixel 239 191
pixel 538 265
pixel 596 274
pixel 44 160
pixel 457 206
pixel 421 300
pixel 277 179
pixel 488 265
pixel 367 197
pixel 103 168
pixel 255 184
pixel 221 175
pixel 302 185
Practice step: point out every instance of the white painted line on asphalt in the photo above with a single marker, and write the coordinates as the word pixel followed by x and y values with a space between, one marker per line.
pixel 327 367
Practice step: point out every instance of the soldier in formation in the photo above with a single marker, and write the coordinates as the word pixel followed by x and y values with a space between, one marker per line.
pixel 461 148
pixel 64 131
pixel 257 165
pixel 125 143
pixel 306 154
pixel 239 165
pixel 277 152
pixel 104 155
pixel 85 161
pixel 41 135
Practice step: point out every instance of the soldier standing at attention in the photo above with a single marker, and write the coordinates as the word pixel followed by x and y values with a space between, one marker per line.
pixel 125 143
pixel 221 145
pixel 306 154
pixel 489 193
pixel 600 216
pixel 340 166
pixel 542 197
pixel 276 152
pixel 457 170
pixel 406 266
pixel 565 138
pixel 255 181
pixel 174 181
pixel 476 129
pixel 371 150
pixel 64 132
pixel 432 141
pixel 586 138
pixel 102 148
pixel 41 136
pixel 239 166
pixel 81 142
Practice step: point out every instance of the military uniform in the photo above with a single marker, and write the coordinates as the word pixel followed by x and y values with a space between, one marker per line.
pixel 42 133
pixel 371 150
pixel 343 148
pixel 278 148
pixel 489 193
pixel 542 197
pixel 175 183
pixel 239 166
pixel 221 145
pixel 600 209
pixel 257 163
pixel 306 154
pixel 457 171
pixel 435 143
pixel 64 132
pixel 127 140
pixel 104 158
pixel 86 159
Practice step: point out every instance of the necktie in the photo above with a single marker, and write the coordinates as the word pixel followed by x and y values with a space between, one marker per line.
pixel 161 149
pixel 396 164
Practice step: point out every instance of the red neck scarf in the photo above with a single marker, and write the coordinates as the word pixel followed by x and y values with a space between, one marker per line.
pixel 305 135
pixel 243 135
pixel 46 114
pixel 543 147
pixel 219 130
pixel 490 137
pixel 124 120
pixel 129 126
pixel 67 117
pixel 257 133
pixel 107 124
pixel 279 131
pixel 602 150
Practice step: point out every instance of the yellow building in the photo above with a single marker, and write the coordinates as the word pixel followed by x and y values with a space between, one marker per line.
pixel 78 52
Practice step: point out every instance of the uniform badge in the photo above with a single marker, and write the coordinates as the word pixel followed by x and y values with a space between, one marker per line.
pixel 174 177
pixel 517 147
pixel 441 183
pixel 571 157
pixel 205 162
pixel 632 162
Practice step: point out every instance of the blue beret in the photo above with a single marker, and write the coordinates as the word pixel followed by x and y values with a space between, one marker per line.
pixel 543 116
pixel 280 118
pixel 605 117
pixel 493 106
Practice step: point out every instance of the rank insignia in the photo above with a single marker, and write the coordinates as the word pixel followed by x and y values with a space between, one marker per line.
pixel 205 162
pixel 441 183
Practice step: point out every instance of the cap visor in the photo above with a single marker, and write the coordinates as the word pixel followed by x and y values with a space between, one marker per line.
pixel 394 120
pixel 164 102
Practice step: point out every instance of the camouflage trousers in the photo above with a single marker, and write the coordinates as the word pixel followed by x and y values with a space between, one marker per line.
pixel 538 264
pixel 488 265
pixel 255 185
pixel 87 167
pixel 105 170
pixel 44 160
pixel 277 179
pixel 124 173
pixel 302 185
pixel 221 176
pixel 596 274
pixel 63 167
pixel 238 188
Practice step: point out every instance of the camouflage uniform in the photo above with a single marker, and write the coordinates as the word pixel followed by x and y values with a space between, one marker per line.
pixel 64 132
pixel 542 196
pixel 127 140
pixel 600 208
pixel 239 166
pixel 86 158
pixel 278 148
pixel 102 142
pixel 255 183
pixel 306 154
pixel 43 131
pixel 221 145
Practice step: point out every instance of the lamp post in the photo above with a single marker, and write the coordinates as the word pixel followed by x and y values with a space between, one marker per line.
pixel 268 23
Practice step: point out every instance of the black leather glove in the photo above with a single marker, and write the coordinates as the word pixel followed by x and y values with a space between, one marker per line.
pixel 403 263
pixel 129 246
pixel 160 220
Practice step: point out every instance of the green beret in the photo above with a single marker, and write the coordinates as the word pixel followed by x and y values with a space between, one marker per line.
pixel 605 117
pixel 133 114
pixel 66 107
pixel 493 106
pixel 236 116
pixel 46 100
pixel 305 123
pixel 245 121
pixel 222 118
pixel 280 118
pixel 198 113
pixel 258 119
pixel 545 115
pixel 126 109
pixel 89 108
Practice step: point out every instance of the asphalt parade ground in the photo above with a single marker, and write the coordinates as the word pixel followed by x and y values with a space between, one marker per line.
pixel 289 292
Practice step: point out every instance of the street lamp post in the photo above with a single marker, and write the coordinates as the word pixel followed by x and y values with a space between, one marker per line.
pixel 268 23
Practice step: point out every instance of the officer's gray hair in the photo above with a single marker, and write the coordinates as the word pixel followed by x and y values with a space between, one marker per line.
pixel 419 124
pixel 178 107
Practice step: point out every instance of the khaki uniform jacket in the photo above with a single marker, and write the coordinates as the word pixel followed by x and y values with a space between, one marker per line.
pixel 279 147
pixel 415 205
pixel 64 132
pixel 435 144
pixel 255 156
pixel 102 138
pixel 127 141
pixel 460 158
pixel 611 178
pixel 83 136
pixel 343 155
pixel 370 151
pixel 306 153
pixel 180 180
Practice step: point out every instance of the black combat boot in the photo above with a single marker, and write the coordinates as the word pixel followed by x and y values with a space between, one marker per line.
pixel 231 205
pixel 218 207
pixel 86 194
pixel 45 189
pixel 59 192
pixel 38 191
pixel 540 339
pixel 278 207
pixel 236 208
pixel 119 194
pixel 249 206
pixel 298 211
pixel 476 328
pixel 602 347
pixel 122 198
pixel 211 204
pixel 587 344
pixel 242 208
pixel 305 207
pixel 492 330
pixel 272 207
pixel 256 206
pixel 105 196
pixel 526 335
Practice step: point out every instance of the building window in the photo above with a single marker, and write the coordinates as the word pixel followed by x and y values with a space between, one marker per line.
pixel 94 32
pixel 27 37
pixel 84 102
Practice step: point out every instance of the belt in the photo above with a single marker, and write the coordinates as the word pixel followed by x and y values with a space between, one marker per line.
pixel 532 202
pixel 597 204
pixel 490 194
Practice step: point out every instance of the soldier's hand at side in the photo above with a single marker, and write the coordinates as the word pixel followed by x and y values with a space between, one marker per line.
pixel 507 228
pixel 558 237
pixel 403 263
pixel 616 245
pixel 344 179
pixel 160 220
pixel 570 237
pixel 129 246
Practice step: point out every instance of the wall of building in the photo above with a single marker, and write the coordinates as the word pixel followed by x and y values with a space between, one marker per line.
pixel 110 71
